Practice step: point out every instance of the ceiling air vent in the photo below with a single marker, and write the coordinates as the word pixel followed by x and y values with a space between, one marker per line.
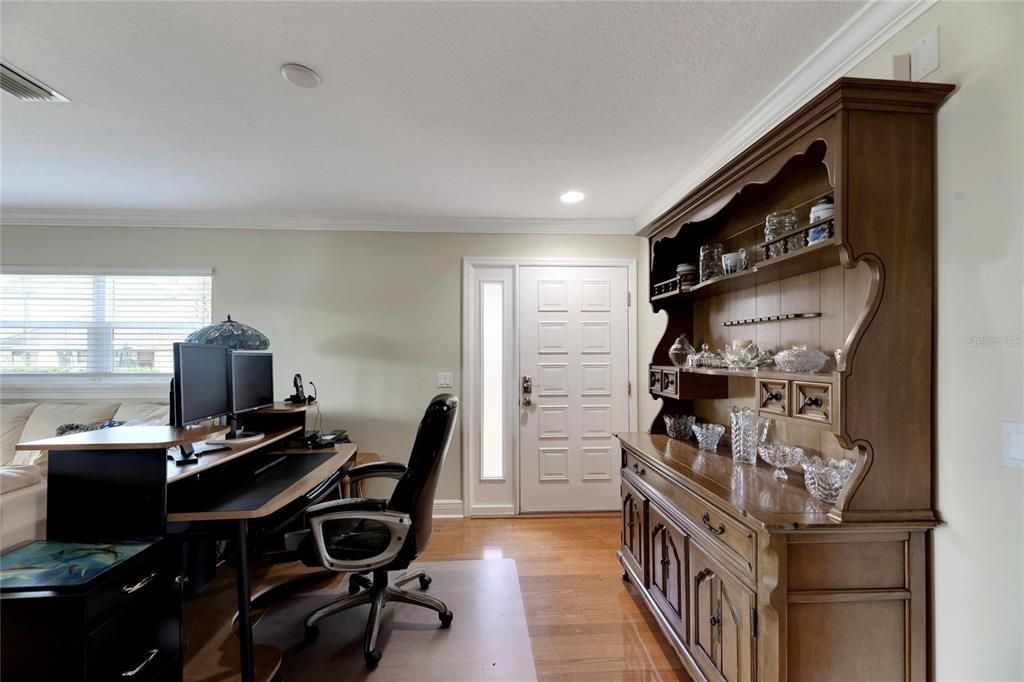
pixel 25 87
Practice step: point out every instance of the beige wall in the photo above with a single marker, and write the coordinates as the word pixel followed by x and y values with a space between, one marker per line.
pixel 979 553
pixel 369 316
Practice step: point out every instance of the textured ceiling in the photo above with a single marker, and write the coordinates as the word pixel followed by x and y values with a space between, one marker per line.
pixel 467 110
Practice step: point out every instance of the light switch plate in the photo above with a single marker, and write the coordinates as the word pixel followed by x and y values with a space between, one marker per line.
pixel 1013 444
pixel 445 380
pixel 924 55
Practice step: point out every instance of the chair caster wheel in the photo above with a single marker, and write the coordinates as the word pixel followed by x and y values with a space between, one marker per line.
pixel 311 632
pixel 372 659
pixel 625 577
pixel 425 581
pixel 353 587
pixel 446 619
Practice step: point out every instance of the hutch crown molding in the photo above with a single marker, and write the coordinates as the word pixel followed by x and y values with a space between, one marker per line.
pixel 749 577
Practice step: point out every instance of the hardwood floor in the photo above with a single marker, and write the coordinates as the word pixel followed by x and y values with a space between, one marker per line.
pixel 585 623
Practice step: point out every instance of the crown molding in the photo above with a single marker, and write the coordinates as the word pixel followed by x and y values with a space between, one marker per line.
pixel 271 221
pixel 864 33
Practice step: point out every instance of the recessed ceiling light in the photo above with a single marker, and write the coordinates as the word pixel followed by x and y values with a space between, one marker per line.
pixel 300 75
pixel 572 197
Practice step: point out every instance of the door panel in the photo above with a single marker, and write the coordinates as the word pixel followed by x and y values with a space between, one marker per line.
pixel 735 602
pixel 634 506
pixel 669 580
pixel 723 643
pixel 704 588
pixel 574 336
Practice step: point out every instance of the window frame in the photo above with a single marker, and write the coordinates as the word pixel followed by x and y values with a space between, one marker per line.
pixel 90 385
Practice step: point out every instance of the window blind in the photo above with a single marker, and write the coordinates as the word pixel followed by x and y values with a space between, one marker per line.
pixel 98 323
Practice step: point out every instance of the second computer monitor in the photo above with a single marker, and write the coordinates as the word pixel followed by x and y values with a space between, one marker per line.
pixel 252 381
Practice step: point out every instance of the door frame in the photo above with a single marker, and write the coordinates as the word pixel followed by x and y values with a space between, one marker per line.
pixel 470 428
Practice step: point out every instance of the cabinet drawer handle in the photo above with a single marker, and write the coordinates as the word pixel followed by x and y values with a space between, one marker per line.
pixel 715 620
pixel 638 470
pixel 131 589
pixel 707 522
pixel 128 674
pixel 774 396
pixel 813 401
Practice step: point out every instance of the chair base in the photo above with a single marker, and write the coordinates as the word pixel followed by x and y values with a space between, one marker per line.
pixel 377 593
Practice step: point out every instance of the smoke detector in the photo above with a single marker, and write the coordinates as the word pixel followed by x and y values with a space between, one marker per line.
pixel 25 87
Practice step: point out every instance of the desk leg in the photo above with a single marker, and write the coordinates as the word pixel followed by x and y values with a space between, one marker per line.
pixel 244 604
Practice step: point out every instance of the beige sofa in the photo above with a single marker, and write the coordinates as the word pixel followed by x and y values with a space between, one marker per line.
pixel 23 474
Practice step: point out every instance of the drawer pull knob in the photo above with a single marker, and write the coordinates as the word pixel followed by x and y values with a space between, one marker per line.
pixel 774 396
pixel 707 522
pixel 813 401
pixel 638 470
pixel 128 674
pixel 131 589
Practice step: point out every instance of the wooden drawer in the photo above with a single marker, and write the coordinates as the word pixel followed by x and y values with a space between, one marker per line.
pixel 148 577
pixel 812 401
pixel 737 542
pixel 670 382
pixel 654 381
pixel 773 396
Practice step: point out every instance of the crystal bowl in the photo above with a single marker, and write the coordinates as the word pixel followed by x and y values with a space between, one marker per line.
pixel 679 426
pixel 781 456
pixel 748 357
pixel 800 359
pixel 708 435
pixel 825 479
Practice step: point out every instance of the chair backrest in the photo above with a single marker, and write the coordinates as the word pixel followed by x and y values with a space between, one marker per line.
pixel 414 493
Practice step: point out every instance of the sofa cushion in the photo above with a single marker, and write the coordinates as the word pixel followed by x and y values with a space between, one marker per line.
pixel 12 423
pixel 134 414
pixel 47 417
pixel 17 477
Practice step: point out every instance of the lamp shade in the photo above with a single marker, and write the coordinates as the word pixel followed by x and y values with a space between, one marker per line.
pixel 230 334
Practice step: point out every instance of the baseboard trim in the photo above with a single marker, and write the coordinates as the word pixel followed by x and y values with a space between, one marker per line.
pixel 479 510
pixel 448 509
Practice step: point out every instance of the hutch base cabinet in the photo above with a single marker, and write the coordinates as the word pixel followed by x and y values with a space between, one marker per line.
pixel 753 578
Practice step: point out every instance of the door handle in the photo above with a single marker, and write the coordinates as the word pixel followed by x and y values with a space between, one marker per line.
pixel 527 391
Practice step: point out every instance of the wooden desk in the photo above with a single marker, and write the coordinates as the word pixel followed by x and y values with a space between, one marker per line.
pixel 127 438
pixel 114 483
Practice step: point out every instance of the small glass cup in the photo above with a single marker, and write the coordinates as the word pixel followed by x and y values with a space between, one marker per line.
pixel 679 426
pixel 708 436
pixel 710 261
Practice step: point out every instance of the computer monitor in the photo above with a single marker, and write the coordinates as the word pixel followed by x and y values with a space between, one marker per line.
pixel 201 388
pixel 252 381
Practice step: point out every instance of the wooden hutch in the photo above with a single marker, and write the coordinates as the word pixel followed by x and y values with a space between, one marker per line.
pixel 751 578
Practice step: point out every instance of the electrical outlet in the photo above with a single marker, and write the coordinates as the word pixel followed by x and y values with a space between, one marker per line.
pixel 924 55
pixel 1013 444
pixel 445 380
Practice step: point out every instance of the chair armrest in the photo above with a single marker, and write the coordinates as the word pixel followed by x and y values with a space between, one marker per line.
pixel 376 470
pixel 397 524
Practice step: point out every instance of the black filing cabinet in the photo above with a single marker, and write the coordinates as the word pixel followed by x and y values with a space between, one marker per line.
pixel 122 624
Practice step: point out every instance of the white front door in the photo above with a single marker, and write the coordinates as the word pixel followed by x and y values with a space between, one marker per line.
pixel 574 352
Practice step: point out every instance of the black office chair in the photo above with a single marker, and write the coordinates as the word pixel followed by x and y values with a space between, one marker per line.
pixel 364 535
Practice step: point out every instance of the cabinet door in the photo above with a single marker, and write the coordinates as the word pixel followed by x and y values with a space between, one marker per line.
pixel 721 617
pixel 735 633
pixel 634 508
pixel 668 577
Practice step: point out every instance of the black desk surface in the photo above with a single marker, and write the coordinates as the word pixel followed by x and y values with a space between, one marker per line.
pixel 249 496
